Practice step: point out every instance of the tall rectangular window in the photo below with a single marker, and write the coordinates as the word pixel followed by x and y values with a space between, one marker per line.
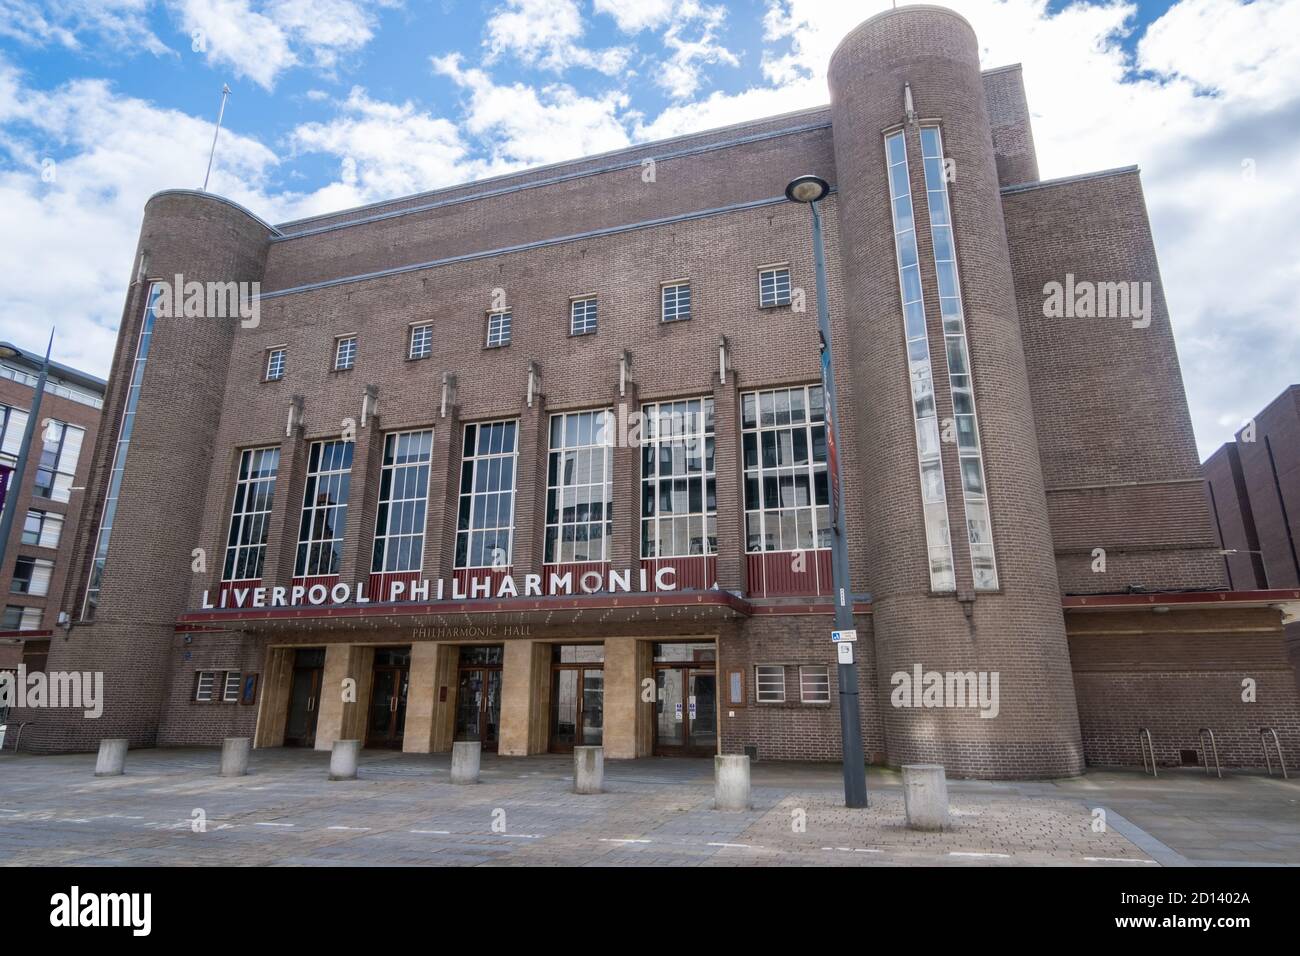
pixel 403 501
pixel 934 501
pixel 486 517
pixel 125 428
pixel 274 365
pixel 324 509
pixel 230 693
pixel 250 514
pixel 774 286
pixel 498 329
pixel 978 525
pixel 57 468
pixel 42 529
pixel 787 492
pixel 580 487
pixel 676 302
pixel 421 345
pixel 582 316
pixel 203 683
pixel 679 502
pixel 345 352
pixel 31 576
pixel 13 422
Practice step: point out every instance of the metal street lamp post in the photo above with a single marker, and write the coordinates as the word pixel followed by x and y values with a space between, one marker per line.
pixel 811 190
pixel 12 501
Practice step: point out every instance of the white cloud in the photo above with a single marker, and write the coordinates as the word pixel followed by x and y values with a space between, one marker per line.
pixel 633 16
pixel 262 40
pixel 121 23
pixel 545 33
pixel 680 73
pixel 522 125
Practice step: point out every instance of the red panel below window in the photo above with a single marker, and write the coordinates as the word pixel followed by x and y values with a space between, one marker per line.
pixel 467 577
pixel 228 589
pixel 788 573
pixel 380 587
pixel 697 573
pixel 577 569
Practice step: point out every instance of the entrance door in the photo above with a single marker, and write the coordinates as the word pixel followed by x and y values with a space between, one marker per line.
pixel 686 707
pixel 388 689
pixel 577 696
pixel 304 698
pixel 478 695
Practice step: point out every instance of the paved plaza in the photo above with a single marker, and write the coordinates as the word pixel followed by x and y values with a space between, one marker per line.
pixel 172 809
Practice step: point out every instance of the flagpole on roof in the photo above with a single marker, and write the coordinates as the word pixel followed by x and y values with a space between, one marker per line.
pixel 225 92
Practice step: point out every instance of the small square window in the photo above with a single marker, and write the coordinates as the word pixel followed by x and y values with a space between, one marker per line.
pixel 421 342
pixel 275 365
pixel 31 576
pixel 230 694
pixel 498 331
pixel 769 683
pixel 676 300
pixel 773 287
pixel 582 316
pixel 21 618
pixel 815 684
pixel 345 352
pixel 203 685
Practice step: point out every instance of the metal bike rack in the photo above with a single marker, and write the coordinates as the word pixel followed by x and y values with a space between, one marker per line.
pixel 1264 734
pixel 1214 749
pixel 1144 744
pixel 18 737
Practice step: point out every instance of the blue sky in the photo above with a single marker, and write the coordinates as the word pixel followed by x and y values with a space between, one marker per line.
pixel 340 102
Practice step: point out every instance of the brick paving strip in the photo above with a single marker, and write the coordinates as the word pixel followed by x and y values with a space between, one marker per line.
pixel 402 811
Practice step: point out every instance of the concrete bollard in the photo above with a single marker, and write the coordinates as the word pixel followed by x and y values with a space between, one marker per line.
pixel 465 759
pixel 234 756
pixel 343 759
pixel 111 761
pixel 925 796
pixel 588 769
pixel 730 782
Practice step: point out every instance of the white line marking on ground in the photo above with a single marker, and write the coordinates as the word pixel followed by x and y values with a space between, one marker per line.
pixel 850 849
pixel 434 832
pixel 1002 856
pixel 2 810
pixel 523 836
pixel 347 828
pixel 273 824
pixel 739 846
pixel 610 840
pixel 1115 859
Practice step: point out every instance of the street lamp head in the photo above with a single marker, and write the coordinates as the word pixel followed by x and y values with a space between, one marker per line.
pixel 807 189
pixel 8 351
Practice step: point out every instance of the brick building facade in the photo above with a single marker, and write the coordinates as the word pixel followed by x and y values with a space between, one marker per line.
pixel 429 394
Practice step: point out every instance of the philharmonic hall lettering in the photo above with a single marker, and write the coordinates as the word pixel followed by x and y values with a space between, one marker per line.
pixel 475 588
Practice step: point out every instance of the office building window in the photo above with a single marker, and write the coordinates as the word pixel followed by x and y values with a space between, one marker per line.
pixel 21 618
pixel 203 683
pixel 274 365
pixel 58 465
pixel 676 302
pixel 486 516
pixel 125 428
pixel 31 576
pixel 769 683
pixel 13 422
pixel 787 492
pixel 679 503
pixel 580 487
pixel 498 329
pixel 42 529
pixel 815 684
pixel 774 286
pixel 324 509
pixel 345 352
pixel 403 500
pixel 978 526
pixel 421 345
pixel 934 501
pixel 250 514
pixel 230 694
pixel 582 316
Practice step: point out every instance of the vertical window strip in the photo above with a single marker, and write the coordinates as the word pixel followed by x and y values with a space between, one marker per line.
pixel 403 502
pixel 979 527
pixel 580 487
pixel 250 514
pixel 787 494
pixel 324 509
pixel 486 516
pixel 105 530
pixel 925 418
pixel 679 501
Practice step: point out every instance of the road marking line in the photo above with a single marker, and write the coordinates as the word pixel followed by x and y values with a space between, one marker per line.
pixel 850 849
pixel 273 824
pixel 435 832
pixel 523 836
pixel 1116 859
pixel 347 828
pixel 610 840
pixel 738 846
pixel 1001 856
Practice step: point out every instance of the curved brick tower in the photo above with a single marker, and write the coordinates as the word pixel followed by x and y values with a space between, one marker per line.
pixel 926 58
pixel 147 574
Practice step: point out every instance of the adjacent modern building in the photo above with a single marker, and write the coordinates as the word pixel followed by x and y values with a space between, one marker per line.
pixel 38 555
pixel 542 460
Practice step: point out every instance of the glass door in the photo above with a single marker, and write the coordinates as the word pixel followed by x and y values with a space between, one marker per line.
pixel 577 696
pixel 686 706
pixel 304 698
pixel 388 690
pixel 478 695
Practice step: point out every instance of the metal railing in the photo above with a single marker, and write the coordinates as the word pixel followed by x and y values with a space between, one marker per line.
pixel 1144 744
pixel 1214 749
pixel 1264 734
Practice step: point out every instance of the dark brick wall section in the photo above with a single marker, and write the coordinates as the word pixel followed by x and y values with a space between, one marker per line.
pixel 1013 135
